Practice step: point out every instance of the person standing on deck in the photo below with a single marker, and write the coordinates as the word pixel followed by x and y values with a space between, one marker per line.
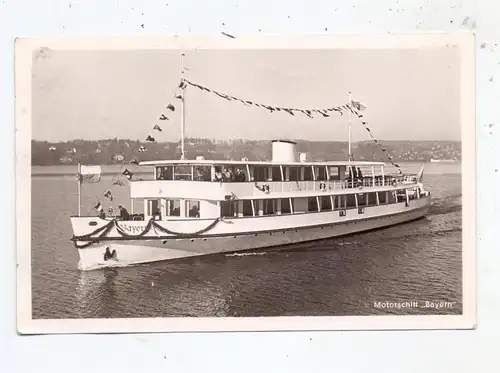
pixel 124 215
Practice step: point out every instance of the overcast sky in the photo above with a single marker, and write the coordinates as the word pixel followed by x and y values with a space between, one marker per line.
pixel 409 94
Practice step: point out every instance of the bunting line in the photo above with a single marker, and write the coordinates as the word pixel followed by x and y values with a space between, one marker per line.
pixel 354 107
pixel 384 150
pixel 115 181
pixel 326 112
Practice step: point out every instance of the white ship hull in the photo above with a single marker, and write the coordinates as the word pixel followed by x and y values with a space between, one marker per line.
pixel 232 235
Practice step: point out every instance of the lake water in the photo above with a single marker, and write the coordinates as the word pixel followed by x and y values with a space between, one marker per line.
pixel 417 262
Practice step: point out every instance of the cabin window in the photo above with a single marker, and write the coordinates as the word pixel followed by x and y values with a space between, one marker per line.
pixel 312 204
pixel 228 208
pixel 247 207
pixel 154 207
pixel 336 202
pixel 334 173
pixel 276 173
pixel 182 172
pixel 326 203
pixel 382 198
pixel 193 209
pixel 260 173
pixel 202 173
pixel 371 199
pixel 391 197
pixel 294 174
pixel 308 174
pixel 174 207
pixel 361 199
pixel 401 193
pixel 285 206
pixel 270 206
pixel 350 201
pixel 164 173
pixel 321 174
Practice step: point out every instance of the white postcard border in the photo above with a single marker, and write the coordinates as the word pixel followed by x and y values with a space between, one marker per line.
pixel 24 49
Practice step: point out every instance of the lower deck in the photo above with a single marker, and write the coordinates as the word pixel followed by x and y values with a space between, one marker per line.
pixel 93 229
pixel 143 250
pixel 166 209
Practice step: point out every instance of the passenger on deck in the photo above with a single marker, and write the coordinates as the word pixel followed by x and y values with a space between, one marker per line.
pixel 199 174
pixel 109 254
pixel 240 176
pixel 226 175
pixel 194 212
pixel 124 215
pixel 218 176
pixel 102 214
pixel 360 174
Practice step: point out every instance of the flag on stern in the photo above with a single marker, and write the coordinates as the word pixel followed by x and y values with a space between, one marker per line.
pixel 358 105
pixel 90 174
pixel 128 174
pixel 420 175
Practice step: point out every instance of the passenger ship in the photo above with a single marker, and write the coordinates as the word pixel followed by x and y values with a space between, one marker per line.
pixel 190 208
pixel 188 211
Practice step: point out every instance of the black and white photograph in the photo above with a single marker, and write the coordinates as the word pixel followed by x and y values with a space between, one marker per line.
pixel 245 183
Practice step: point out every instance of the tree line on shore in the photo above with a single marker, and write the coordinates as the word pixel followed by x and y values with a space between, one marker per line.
pixel 116 151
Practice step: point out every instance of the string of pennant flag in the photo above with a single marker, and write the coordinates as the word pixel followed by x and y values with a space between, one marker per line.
pixel 150 138
pixel 355 107
pixel 325 112
pixel 368 129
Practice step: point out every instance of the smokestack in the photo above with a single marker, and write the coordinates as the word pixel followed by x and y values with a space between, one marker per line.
pixel 284 151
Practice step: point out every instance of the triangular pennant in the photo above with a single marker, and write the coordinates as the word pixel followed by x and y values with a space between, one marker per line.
pixel 157 128
pixel 108 195
pixel 150 138
pixel 134 161
pixel 142 149
pixel 171 107
pixel 118 183
pixel 128 174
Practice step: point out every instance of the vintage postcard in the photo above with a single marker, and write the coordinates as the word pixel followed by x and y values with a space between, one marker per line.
pixel 189 183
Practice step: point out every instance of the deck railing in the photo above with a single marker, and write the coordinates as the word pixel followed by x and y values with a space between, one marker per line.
pixel 218 190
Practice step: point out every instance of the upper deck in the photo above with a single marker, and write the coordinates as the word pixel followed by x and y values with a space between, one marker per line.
pixel 206 162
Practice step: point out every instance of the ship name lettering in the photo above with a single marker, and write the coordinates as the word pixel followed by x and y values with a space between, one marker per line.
pixel 437 305
pixel 132 228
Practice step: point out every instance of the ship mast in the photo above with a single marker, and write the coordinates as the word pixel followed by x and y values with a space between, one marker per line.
pixel 183 117
pixel 350 127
